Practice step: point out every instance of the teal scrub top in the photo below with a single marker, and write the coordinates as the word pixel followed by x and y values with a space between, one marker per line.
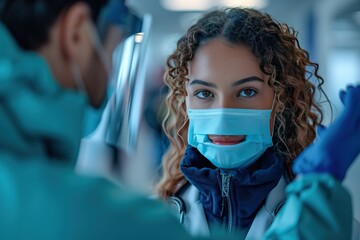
pixel 48 201
pixel 41 197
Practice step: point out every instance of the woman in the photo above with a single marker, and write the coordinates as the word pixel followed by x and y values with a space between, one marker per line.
pixel 240 110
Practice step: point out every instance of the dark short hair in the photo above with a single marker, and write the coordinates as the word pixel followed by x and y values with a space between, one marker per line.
pixel 29 21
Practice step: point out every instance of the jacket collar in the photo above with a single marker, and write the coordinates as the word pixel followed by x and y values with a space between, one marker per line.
pixel 232 196
pixel 195 219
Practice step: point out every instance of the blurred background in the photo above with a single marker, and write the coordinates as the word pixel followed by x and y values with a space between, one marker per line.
pixel 328 29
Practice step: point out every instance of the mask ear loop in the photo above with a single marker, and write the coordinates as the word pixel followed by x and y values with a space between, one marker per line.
pixel 182 100
pixel 272 109
pixel 78 79
pixel 100 49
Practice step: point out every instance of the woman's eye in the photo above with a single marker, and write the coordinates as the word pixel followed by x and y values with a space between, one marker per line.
pixel 203 94
pixel 247 92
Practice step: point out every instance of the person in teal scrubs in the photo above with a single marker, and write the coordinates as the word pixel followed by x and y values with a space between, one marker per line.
pixel 51 67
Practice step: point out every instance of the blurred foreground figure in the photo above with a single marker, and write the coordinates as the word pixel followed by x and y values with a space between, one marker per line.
pixel 52 66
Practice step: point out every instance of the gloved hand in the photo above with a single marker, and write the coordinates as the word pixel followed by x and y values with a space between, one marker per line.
pixel 337 146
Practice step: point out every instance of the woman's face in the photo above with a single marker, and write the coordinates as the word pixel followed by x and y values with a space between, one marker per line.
pixel 224 75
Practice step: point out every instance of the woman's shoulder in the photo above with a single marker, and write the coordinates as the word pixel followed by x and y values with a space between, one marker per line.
pixel 186 204
pixel 276 197
pixel 267 213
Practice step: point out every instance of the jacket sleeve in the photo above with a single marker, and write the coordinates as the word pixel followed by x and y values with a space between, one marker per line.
pixel 317 207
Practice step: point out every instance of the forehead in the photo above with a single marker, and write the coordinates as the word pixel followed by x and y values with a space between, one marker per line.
pixel 219 58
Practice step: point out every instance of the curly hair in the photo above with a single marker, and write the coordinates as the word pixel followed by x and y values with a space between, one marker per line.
pixel 280 56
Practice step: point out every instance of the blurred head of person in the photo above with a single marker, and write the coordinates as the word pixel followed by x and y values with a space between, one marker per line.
pixel 63 32
pixel 203 72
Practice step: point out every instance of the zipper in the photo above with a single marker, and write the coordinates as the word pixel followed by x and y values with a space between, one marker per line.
pixel 225 187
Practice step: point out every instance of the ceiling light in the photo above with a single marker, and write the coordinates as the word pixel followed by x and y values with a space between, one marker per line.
pixel 245 3
pixel 203 5
pixel 186 5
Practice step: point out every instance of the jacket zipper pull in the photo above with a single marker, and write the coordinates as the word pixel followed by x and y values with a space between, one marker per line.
pixel 225 192
pixel 225 184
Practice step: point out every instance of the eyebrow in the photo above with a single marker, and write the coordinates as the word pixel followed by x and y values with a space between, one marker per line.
pixel 201 82
pixel 248 79
pixel 239 82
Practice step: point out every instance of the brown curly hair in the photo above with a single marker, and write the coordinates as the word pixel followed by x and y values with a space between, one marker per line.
pixel 280 56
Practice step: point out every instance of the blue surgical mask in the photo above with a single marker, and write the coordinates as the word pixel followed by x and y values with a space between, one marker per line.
pixel 255 124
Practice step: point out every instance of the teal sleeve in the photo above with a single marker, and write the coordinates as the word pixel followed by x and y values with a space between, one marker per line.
pixel 41 201
pixel 317 207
